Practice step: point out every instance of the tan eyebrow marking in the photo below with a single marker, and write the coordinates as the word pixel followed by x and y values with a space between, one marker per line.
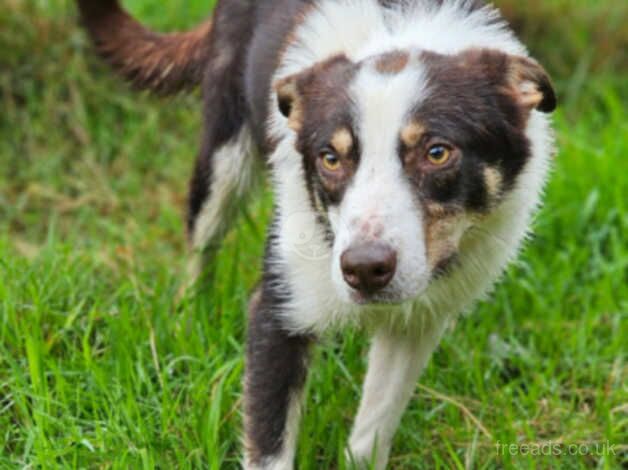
pixel 342 141
pixel 412 133
pixel 392 63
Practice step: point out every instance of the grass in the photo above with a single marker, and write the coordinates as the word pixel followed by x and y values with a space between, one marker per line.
pixel 100 369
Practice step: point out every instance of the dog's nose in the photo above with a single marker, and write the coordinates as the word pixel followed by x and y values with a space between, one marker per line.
pixel 369 267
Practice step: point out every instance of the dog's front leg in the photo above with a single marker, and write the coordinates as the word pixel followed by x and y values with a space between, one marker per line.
pixel 395 363
pixel 274 380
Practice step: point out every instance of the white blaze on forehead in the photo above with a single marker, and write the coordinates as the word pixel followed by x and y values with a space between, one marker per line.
pixel 383 106
pixel 384 103
pixel 379 202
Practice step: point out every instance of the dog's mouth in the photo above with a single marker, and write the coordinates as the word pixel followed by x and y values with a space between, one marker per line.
pixel 392 295
pixel 379 298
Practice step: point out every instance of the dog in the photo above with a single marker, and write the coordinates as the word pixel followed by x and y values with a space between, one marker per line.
pixel 408 143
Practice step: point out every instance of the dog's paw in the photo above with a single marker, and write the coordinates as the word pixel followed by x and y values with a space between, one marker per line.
pixel 366 457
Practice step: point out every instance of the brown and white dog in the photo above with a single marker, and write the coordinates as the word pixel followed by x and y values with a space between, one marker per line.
pixel 408 146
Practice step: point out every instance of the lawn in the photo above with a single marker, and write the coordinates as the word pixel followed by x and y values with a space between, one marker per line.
pixel 101 368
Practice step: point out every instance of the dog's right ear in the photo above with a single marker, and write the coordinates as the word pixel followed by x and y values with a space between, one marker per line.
pixel 313 87
pixel 290 101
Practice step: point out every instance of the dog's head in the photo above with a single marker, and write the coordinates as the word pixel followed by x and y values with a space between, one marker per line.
pixel 404 152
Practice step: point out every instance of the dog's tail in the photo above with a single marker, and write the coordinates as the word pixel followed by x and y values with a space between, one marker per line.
pixel 162 63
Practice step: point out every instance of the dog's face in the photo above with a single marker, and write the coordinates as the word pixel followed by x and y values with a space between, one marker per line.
pixel 404 152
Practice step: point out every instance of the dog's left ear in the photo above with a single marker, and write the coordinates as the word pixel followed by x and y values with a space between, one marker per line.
pixel 290 101
pixel 518 76
pixel 531 84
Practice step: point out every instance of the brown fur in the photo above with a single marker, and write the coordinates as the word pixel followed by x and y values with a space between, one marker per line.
pixel 290 102
pixel 163 63
pixel 478 101
pixel 525 80
pixel 439 223
pixel 392 63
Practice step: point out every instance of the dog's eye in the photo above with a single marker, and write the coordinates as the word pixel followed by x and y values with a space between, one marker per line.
pixel 439 154
pixel 330 161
